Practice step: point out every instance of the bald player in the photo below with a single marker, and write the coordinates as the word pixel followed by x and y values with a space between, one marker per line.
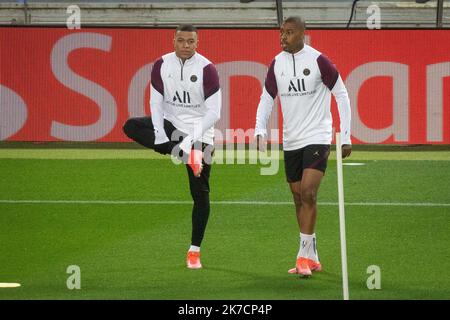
pixel 304 80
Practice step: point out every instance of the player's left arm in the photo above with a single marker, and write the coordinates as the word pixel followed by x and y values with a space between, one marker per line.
pixel 332 79
pixel 343 103
pixel 213 104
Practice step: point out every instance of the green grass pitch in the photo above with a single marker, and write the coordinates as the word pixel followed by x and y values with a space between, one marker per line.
pixel 397 218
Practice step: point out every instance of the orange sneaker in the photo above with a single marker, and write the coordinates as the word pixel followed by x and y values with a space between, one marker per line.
pixel 300 265
pixel 195 162
pixel 193 260
pixel 314 266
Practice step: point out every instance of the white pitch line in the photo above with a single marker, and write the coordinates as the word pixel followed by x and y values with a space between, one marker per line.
pixel 168 202
pixel 9 285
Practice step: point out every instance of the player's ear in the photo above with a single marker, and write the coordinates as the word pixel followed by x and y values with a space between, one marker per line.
pixel 303 36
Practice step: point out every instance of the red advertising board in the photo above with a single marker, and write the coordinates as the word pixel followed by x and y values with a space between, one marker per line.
pixel 81 85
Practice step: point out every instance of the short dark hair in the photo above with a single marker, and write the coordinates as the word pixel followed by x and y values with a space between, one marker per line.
pixel 186 27
pixel 298 21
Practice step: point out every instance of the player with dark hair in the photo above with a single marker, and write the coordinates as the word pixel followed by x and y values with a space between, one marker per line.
pixel 304 79
pixel 185 104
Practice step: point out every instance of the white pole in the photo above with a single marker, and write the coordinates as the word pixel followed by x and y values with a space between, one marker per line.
pixel 342 215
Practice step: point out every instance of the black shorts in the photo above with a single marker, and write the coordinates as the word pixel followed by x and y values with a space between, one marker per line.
pixel 314 156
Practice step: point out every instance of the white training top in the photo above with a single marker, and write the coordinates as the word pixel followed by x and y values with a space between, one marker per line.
pixel 304 81
pixel 188 95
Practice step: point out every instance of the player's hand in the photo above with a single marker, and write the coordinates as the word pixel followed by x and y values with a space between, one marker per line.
pixel 195 162
pixel 346 150
pixel 186 145
pixel 261 143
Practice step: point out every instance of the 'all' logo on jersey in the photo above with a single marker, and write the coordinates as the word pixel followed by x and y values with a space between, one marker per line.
pixel 297 85
pixel 185 98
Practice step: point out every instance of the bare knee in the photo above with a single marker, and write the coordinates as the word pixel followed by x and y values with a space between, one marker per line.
pixel 297 197
pixel 309 196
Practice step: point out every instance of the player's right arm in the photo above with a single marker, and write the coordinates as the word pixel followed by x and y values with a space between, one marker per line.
pixel 156 102
pixel 265 106
pixel 156 106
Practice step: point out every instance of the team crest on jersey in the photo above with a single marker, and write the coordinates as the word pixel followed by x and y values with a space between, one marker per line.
pixel 193 78
pixel 306 72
